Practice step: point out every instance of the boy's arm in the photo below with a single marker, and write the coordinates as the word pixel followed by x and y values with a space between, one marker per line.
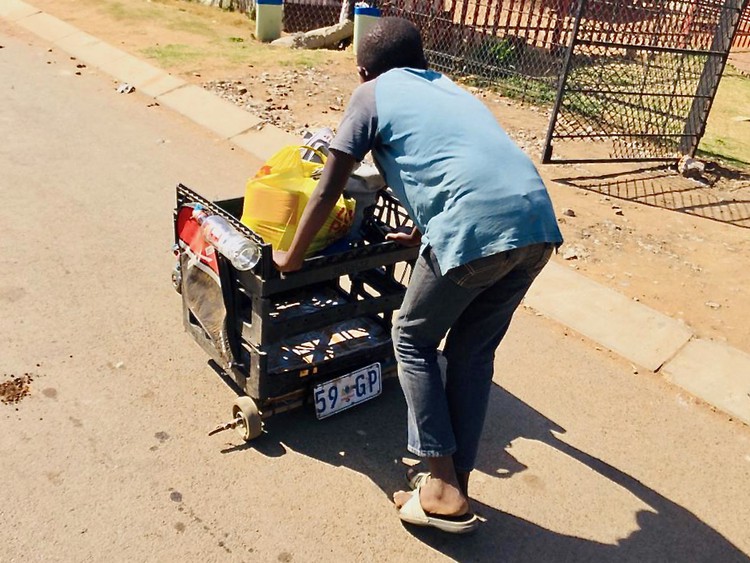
pixel 336 172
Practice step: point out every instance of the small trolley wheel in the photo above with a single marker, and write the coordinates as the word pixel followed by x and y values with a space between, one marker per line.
pixel 250 425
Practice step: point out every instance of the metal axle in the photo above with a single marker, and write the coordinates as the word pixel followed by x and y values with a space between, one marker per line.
pixel 227 426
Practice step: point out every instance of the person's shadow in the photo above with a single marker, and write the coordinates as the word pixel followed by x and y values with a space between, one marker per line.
pixel 371 437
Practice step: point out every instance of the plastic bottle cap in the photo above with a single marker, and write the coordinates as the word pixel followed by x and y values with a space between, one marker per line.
pixel 198 211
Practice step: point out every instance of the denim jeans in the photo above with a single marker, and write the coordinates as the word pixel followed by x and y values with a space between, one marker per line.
pixel 475 302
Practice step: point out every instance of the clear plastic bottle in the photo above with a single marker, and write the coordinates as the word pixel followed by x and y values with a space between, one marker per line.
pixel 240 250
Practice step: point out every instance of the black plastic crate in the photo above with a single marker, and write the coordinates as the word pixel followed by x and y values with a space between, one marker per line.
pixel 249 323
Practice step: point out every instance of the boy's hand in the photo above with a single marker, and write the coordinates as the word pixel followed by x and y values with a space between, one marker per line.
pixel 413 238
pixel 284 263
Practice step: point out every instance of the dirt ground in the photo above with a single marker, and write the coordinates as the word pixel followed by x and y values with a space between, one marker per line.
pixel 678 245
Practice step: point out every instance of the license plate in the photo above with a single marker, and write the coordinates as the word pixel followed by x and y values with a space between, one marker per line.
pixel 347 391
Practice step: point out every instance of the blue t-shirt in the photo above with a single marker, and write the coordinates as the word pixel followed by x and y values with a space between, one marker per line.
pixel 469 188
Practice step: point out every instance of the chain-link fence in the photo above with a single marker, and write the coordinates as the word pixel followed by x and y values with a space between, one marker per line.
pixel 639 73
pixel 515 45
pixel 640 78
pixel 304 15
pixel 742 39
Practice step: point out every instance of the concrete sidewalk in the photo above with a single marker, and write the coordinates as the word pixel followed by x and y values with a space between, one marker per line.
pixel 714 372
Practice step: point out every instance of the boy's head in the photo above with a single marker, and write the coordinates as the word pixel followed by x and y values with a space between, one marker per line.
pixel 391 43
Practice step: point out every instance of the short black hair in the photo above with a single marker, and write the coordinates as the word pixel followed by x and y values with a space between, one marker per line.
pixel 391 43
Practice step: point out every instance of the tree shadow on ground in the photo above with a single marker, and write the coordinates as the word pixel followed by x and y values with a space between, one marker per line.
pixel 370 440
pixel 661 186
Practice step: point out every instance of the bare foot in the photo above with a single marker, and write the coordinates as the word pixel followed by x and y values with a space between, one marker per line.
pixel 400 498
pixel 463 478
pixel 436 497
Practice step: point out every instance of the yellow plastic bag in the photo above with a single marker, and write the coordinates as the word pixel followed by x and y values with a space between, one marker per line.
pixel 277 195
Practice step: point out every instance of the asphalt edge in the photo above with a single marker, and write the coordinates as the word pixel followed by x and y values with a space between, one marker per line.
pixel 712 371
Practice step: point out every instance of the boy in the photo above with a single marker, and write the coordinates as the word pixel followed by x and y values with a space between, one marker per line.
pixel 486 227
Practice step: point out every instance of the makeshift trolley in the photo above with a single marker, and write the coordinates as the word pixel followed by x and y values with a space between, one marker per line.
pixel 319 336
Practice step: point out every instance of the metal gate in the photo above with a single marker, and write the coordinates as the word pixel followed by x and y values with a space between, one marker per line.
pixel 638 79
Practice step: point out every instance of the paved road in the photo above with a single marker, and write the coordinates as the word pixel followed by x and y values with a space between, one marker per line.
pixel 583 460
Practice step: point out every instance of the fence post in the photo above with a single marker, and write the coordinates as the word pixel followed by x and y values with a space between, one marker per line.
pixel 268 16
pixel 364 18
pixel 547 156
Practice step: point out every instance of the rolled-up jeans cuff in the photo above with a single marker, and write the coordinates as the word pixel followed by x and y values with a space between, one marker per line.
pixel 430 453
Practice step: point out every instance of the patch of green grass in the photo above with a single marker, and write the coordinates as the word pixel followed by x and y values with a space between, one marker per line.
pixel 501 53
pixel 585 105
pixel 240 53
pixel 125 11
pixel 721 156
pixel 193 18
pixel 728 129
pixel 234 52
pixel 539 92
pixel 174 54
pixel 193 26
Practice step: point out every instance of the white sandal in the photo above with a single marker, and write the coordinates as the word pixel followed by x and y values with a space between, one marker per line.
pixel 413 513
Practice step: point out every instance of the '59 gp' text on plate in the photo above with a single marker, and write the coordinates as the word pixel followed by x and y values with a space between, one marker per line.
pixel 348 390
